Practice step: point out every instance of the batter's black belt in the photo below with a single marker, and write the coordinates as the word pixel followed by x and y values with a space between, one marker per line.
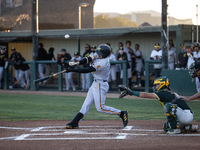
pixel 96 80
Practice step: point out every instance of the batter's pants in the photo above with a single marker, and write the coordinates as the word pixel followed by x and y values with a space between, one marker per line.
pixel 97 95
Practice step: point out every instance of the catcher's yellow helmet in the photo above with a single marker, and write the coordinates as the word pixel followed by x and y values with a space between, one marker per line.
pixel 163 83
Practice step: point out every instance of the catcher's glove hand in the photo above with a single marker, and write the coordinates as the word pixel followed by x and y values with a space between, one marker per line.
pixel 124 91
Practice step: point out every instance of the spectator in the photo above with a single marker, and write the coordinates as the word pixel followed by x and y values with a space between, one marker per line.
pixel 50 56
pixel 3 59
pixel 112 69
pixel 182 57
pixel 156 54
pixel 93 49
pixel 23 71
pixel 196 53
pixel 118 66
pixel 12 59
pixel 86 76
pixel 129 53
pixel 172 45
pixel 122 56
pixel 196 56
pixel 68 76
pixel 139 64
pixel 42 55
pixel 171 57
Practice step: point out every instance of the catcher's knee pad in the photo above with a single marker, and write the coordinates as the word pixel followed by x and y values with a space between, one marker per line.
pixel 170 113
pixel 170 109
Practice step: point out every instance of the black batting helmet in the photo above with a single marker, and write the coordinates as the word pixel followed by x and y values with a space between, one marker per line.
pixel 103 50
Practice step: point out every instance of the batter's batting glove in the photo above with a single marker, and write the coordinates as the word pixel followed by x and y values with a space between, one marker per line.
pixel 72 63
pixel 124 91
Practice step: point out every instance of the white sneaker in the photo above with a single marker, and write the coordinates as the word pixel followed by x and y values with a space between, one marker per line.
pixel 136 85
pixel 74 89
pixel 173 131
pixel 140 85
pixel 82 90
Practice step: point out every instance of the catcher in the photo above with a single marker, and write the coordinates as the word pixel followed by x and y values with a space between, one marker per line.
pixel 178 114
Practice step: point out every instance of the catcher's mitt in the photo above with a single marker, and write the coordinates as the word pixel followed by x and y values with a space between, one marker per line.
pixel 124 91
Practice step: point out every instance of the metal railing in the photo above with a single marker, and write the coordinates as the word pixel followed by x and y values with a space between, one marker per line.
pixel 147 62
pixel 34 73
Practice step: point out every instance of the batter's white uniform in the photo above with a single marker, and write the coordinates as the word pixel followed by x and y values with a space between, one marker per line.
pixel 196 56
pixel 112 68
pixel 99 88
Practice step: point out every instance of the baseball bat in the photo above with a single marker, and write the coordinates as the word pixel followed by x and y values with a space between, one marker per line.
pixel 45 78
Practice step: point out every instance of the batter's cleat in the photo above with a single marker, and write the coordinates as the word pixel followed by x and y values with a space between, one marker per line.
pixel 192 128
pixel 173 131
pixel 124 116
pixel 71 126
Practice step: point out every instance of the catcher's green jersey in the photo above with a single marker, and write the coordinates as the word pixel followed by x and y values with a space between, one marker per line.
pixel 168 96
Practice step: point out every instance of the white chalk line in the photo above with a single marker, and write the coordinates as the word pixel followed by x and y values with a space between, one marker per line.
pixel 86 132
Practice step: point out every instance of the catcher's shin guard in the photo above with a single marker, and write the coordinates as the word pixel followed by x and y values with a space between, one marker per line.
pixel 74 123
pixel 124 116
pixel 170 113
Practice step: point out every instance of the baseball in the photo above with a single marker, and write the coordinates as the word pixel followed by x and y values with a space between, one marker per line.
pixel 67 36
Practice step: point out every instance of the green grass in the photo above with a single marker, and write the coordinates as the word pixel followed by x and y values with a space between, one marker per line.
pixel 15 107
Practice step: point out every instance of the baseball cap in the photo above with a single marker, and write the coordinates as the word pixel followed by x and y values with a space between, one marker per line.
pixel 157 45
pixel 94 47
pixel 3 48
pixel 182 44
pixel 196 45
pixel 121 48
pixel 13 49
pixel 76 53
pixel 63 50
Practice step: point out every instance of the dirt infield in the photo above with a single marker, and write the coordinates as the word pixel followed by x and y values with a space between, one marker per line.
pixel 50 134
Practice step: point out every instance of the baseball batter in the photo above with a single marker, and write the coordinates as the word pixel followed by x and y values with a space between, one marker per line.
pixel 100 69
pixel 3 58
pixel 176 109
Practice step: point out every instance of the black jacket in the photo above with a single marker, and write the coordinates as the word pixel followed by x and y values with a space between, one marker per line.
pixel 2 56
pixel 42 54
pixel 13 57
pixel 19 62
pixel 183 58
pixel 124 57
pixel 86 54
pixel 66 57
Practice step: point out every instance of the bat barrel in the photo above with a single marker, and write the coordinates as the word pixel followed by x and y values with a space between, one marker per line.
pixel 40 80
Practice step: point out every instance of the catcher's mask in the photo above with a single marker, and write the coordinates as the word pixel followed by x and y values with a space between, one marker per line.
pixel 160 83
